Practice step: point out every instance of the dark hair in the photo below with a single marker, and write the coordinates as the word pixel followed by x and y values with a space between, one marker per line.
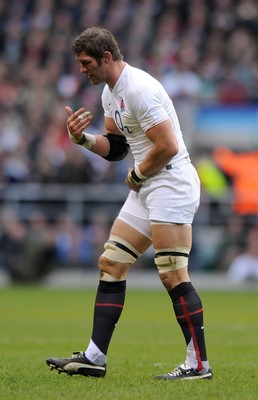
pixel 94 42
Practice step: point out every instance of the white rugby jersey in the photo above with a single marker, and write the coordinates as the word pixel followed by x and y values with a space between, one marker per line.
pixel 136 103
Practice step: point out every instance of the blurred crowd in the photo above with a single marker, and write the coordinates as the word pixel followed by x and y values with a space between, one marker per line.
pixel 204 52
pixel 30 249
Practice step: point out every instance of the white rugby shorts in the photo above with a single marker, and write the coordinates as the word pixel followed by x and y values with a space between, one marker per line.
pixel 171 196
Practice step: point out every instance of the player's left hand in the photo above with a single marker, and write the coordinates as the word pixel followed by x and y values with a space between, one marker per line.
pixel 130 183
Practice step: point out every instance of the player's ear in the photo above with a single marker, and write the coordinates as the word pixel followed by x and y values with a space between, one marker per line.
pixel 107 57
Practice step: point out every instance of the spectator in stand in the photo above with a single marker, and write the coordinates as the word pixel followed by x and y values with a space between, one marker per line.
pixel 27 249
pixel 242 169
pixel 39 248
pixel 232 243
pixel 12 239
pixel 223 16
pixel 244 267
pixel 73 243
pixel 241 53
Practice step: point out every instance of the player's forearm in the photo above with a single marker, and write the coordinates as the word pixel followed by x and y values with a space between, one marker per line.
pixel 155 161
pixel 165 147
pixel 111 146
pixel 98 144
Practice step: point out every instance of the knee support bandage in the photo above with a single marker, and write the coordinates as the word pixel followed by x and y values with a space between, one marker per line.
pixel 171 259
pixel 118 250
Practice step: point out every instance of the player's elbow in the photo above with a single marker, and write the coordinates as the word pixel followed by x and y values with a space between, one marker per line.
pixel 171 150
pixel 167 153
pixel 174 151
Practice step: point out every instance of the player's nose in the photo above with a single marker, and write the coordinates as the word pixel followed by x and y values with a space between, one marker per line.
pixel 83 69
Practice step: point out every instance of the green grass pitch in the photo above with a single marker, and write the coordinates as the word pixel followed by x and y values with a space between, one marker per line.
pixel 38 322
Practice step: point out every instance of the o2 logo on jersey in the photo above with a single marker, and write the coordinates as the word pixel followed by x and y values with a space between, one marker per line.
pixel 120 124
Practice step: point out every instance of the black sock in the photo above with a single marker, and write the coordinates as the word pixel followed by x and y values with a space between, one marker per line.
pixel 108 308
pixel 189 314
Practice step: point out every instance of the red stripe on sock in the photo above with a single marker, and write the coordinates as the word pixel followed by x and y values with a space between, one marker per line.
pixel 191 327
pixel 109 305
pixel 191 313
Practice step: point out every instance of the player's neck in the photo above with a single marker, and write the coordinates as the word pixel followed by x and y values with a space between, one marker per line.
pixel 117 70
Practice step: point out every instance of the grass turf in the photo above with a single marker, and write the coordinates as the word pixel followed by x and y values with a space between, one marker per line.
pixel 38 322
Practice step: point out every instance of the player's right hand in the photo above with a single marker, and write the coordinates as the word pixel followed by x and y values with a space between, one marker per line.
pixel 75 124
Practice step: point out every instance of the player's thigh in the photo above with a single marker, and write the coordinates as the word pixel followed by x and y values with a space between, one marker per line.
pixel 171 235
pixel 130 234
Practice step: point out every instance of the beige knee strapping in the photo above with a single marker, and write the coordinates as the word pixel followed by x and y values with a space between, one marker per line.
pixel 171 259
pixel 118 250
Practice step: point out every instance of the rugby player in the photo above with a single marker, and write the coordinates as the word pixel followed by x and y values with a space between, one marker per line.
pixel 163 199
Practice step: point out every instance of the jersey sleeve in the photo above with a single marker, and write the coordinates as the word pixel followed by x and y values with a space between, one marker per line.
pixel 147 105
